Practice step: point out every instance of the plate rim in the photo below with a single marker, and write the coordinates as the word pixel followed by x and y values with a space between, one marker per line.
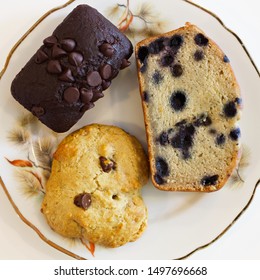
pixel 32 226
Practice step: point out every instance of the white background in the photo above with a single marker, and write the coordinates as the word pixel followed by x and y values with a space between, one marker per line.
pixel 18 241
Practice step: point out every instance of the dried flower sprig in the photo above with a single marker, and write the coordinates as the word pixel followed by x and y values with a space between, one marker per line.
pixel 237 177
pixel 144 22
pixel 34 171
pixel 19 136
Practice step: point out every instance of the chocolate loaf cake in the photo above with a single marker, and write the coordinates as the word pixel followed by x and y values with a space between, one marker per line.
pixel 72 68
pixel 191 102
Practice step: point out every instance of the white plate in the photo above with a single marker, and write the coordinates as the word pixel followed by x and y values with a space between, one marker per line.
pixel 179 223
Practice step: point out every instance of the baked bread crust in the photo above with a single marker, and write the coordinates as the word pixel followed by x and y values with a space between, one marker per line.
pixel 191 104
pixel 109 167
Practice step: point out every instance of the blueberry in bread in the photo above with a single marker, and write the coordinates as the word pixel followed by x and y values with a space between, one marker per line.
pixel 70 71
pixel 94 191
pixel 191 104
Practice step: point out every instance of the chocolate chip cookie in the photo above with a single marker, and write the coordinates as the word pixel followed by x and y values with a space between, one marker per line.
pixel 94 188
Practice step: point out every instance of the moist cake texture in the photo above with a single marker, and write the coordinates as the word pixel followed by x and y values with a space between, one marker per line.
pixel 191 103
pixel 70 71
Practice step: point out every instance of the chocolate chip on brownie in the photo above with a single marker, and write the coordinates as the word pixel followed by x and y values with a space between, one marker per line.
pixel 75 58
pixel 68 44
pixel 71 94
pixel 107 50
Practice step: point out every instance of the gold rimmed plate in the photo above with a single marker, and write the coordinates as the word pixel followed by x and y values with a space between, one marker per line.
pixel 179 223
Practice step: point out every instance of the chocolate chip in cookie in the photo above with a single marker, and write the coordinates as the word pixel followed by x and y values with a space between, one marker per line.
pixel 83 200
pixel 107 164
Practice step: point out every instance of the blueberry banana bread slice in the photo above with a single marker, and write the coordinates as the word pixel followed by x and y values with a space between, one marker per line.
pixel 191 103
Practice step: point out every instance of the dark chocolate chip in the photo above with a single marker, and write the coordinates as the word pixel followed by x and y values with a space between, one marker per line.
pixel 94 79
pixel 145 96
pixel 66 76
pixel 37 111
pixel 201 40
pixel 105 71
pixel 86 107
pixel 115 72
pixel 50 41
pixel 230 109
pixel 107 164
pixel 176 41
pixel 86 95
pixel 209 180
pixel 157 77
pixel 40 57
pixel 54 67
pixel 142 53
pixel 161 166
pixel 71 95
pixel 158 179
pixel 163 138
pixel 176 70
pixel 107 50
pixel 198 55
pixel 226 59
pixel 68 44
pixel 57 52
pixel 97 95
pixel 75 58
pixel 167 60
pixel 220 139
pixel 105 84
pixel 83 200
pixel 178 100
pixel 156 46
pixel 235 134
pixel 203 120
pixel 125 63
